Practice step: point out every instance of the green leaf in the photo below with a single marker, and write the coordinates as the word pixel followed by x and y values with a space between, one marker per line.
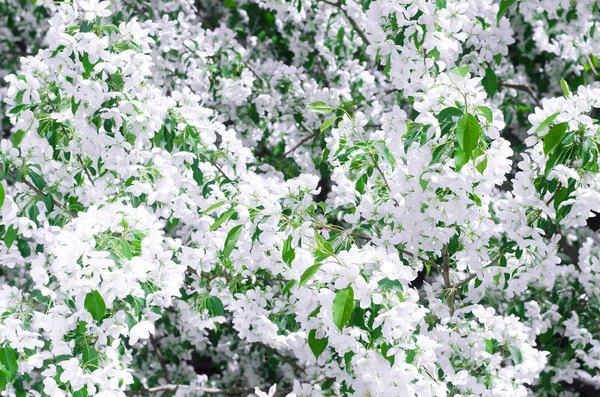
pixel 324 248
pixel 516 354
pixel 440 4
pixel 3 380
pixel 110 28
pixel 288 254
pixel 224 217
pixel 90 358
pixel 448 113
pixel 437 154
pixel 37 180
pixel 18 137
pixel 290 284
pixel 393 285
pixel 467 133
pixel 586 150
pixel 74 105
pixel 504 5
pixel 231 240
pixel 460 159
pixel 454 244
pixel 360 183
pixel 126 249
pixel 10 235
pixel 343 304
pixel 482 165
pixel 81 393
pixel 94 304
pixel 320 107
pixel 486 112
pixel 385 153
pixel 328 123
pixel 553 137
pixel 2 195
pixel 565 88
pixel 490 82
pixel 317 345
pixel 460 70
pixel 18 108
pixel 215 306
pixel 8 358
pixel 423 183
pixel 447 119
pixel 47 199
pixel 308 273
pixel 489 346
pixel 546 122
pixel 214 206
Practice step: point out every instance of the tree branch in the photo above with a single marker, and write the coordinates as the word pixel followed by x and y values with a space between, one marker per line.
pixel 352 22
pixel 523 88
pixel 283 357
pixel 302 142
pixel 161 360
pixel 41 194
pixel 358 236
pixel 446 276
pixel 205 390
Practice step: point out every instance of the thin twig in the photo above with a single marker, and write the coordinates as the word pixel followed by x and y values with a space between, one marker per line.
pixel 70 139
pixel 474 275
pixel 283 357
pixel 302 142
pixel 205 390
pixel 396 203
pixel 41 194
pixel 358 236
pixel 446 276
pixel 554 195
pixel 352 22
pixel 161 360
pixel 214 164
pixel 523 88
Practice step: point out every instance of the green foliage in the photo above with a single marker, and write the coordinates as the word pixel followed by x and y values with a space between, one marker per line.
pixel 490 82
pixel 231 240
pixel 343 304
pixel 468 132
pixel 317 345
pixel 94 304
pixel 553 138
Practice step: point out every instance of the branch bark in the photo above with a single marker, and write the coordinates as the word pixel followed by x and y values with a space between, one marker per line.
pixel 524 88
pixel 352 22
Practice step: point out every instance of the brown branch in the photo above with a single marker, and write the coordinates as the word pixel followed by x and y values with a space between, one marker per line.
pixel 396 203
pixel 161 360
pixel 214 164
pixel 205 390
pixel 41 194
pixel 283 357
pixel 352 22
pixel 358 236
pixel 62 127
pixel 523 88
pixel 446 276
pixel 302 142
pixel 472 276
pixel 554 195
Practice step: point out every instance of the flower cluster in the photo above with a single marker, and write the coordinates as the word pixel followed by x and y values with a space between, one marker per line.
pixel 299 198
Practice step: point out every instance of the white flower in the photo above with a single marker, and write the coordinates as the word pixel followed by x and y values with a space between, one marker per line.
pixel 93 8
pixel 141 330
pixel 260 393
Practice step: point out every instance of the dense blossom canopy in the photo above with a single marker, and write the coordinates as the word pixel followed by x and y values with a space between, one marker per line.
pixel 371 198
